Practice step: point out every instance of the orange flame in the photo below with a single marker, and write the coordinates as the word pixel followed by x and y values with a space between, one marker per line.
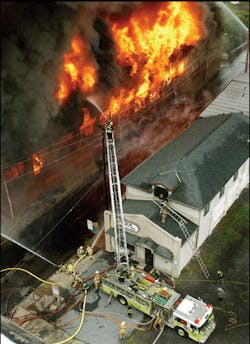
pixel 152 45
pixel 14 171
pixel 78 71
pixel 151 48
pixel 38 163
pixel 88 124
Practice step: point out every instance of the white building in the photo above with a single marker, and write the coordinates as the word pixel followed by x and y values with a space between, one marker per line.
pixel 200 173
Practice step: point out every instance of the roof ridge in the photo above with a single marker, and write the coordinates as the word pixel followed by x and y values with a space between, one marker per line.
pixel 209 134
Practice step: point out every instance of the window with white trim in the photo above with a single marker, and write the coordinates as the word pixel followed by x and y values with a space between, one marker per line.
pixel 206 209
pixel 235 176
pixel 222 191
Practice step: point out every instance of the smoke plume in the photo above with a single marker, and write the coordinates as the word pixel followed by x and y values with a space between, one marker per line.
pixel 35 37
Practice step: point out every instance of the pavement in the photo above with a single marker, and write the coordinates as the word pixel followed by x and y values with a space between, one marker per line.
pixel 102 319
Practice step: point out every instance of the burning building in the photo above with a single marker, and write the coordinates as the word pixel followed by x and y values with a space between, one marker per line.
pixel 67 66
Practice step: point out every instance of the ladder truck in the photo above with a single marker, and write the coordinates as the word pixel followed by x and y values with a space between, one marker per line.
pixel 189 316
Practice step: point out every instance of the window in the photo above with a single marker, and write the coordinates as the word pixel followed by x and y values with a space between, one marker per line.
pixel 222 191
pixel 235 175
pixel 206 209
pixel 181 321
pixel 131 248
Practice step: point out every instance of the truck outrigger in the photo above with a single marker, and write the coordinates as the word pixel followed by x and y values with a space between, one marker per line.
pixel 134 287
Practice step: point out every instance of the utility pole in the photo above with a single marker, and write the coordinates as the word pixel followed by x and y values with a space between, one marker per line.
pixel 8 197
pixel 247 56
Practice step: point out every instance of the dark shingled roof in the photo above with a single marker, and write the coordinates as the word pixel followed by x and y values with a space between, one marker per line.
pixel 206 155
pixel 169 179
pixel 135 240
pixel 152 212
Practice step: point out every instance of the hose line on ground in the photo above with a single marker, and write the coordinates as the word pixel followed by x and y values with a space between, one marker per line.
pixel 38 278
pixel 38 316
pixel 80 325
pixel 78 261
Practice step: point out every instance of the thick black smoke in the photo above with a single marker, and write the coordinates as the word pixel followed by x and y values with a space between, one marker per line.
pixel 34 37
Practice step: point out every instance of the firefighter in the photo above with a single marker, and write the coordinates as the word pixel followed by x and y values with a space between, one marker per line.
pixel 89 250
pixel 77 279
pixel 132 271
pixel 220 294
pixel 110 125
pixel 97 280
pixel 220 276
pixel 158 321
pixel 156 274
pixel 163 215
pixel 80 251
pixel 130 311
pixel 123 329
pixel 69 269
pixel 85 287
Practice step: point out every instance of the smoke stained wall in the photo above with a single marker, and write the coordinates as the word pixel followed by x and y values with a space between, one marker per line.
pixel 35 37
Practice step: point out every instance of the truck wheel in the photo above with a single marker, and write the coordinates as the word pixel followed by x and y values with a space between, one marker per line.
pixel 122 300
pixel 181 332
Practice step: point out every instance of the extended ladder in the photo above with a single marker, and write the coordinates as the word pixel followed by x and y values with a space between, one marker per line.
pixel 116 199
pixel 181 221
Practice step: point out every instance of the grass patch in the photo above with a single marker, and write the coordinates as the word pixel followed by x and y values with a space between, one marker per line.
pixel 241 11
pixel 132 339
pixel 226 237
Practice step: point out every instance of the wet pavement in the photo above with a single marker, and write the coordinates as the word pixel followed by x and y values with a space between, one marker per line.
pixel 102 318
pixel 232 316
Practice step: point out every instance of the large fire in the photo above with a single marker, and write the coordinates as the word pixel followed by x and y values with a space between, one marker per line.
pixel 79 70
pixel 150 49
pixel 151 46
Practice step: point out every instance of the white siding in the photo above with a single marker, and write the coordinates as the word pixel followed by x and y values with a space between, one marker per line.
pixel 204 228
pixel 190 213
pixel 187 252
pixel 162 264
pixel 155 233
pixel 218 212
pixel 244 175
pixel 220 205
pixel 182 254
pixel 136 194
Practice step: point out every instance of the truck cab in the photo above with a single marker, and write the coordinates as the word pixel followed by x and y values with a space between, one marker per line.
pixel 193 318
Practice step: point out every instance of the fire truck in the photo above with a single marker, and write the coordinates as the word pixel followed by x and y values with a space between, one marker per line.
pixel 189 316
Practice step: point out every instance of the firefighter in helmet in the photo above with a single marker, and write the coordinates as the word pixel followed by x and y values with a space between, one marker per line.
pixel 97 280
pixel 123 329
pixel 158 321
pixel 80 251
pixel 220 295
pixel 130 311
pixel 89 250
pixel 220 276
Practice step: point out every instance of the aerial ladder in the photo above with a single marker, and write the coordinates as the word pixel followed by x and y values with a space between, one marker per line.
pixel 116 201
pixel 117 210
pixel 182 224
